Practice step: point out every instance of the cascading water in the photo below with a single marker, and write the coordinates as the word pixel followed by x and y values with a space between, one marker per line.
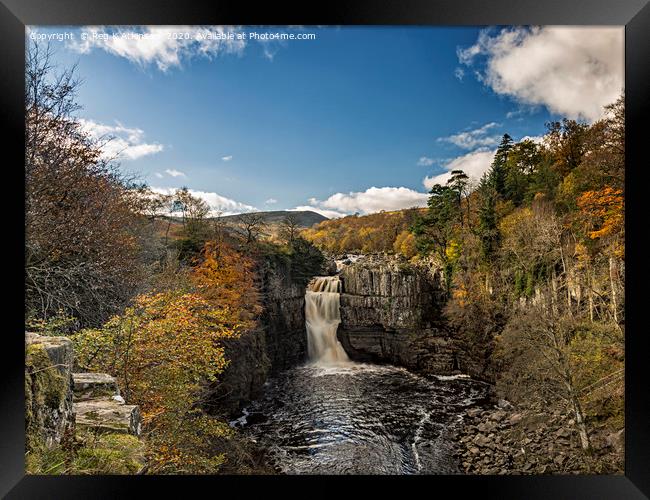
pixel 322 317
pixel 361 419
pixel 334 416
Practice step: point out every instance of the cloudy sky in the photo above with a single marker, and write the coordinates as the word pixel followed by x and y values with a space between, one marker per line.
pixel 355 120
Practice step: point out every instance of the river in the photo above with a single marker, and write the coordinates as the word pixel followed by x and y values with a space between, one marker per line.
pixel 335 416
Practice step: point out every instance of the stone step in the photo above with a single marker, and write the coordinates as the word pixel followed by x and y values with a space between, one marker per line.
pixel 108 415
pixel 94 385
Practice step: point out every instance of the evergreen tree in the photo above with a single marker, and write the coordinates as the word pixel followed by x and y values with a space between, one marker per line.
pixel 459 183
pixel 487 217
pixel 498 170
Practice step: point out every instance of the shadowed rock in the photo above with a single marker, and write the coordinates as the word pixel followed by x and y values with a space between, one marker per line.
pixel 48 389
pixel 94 385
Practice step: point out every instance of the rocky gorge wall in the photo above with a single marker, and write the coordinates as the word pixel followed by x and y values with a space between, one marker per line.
pixel 391 312
pixel 278 343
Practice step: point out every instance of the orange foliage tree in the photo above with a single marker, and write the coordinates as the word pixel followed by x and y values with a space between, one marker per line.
pixel 602 211
pixel 161 350
pixel 226 278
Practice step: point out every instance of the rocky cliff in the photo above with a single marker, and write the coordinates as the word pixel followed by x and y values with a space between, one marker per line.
pixel 279 342
pixel 391 312
pixel 49 414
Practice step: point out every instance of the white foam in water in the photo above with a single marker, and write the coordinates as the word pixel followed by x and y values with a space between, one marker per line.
pixel 452 377
pixel 241 421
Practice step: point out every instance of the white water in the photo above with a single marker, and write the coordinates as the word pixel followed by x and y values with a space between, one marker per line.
pixel 322 318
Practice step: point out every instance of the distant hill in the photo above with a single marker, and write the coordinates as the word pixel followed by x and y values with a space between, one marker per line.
pixel 304 218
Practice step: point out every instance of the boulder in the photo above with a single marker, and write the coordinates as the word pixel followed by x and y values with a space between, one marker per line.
pixel 94 385
pixel 108 415
pixel 617 440
pixel 48 389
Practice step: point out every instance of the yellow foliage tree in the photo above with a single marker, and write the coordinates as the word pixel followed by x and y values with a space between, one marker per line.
pixel 405 244
pixel 161 350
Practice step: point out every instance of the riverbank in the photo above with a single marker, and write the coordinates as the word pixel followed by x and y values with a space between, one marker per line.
pixel 505 440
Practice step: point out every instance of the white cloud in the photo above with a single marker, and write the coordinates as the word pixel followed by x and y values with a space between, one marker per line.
pixel 473 139
pixel 539 139
pixel 174 173
pixel 226 158
pixel 271 201
pixel 330 214
pixel 459 73
pixel 120 142
pixel 159 45
pixel 425 161
pixel 573 71
pixel 371 200
pixel 159 175
pixel 474 164
pixel 168 47
pixel 218 204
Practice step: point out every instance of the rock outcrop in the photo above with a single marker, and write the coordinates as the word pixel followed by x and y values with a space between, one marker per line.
pixel 80 419
pixel 48 389
pixel 99 407
pixel 391 312
pixel 283 321
pixel 279 342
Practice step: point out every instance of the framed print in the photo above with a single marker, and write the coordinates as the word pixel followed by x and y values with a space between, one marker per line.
pixel 371 243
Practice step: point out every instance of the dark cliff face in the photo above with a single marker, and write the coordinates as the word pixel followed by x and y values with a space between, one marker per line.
pixel 283 321
pixel 279 342
pixel 391 313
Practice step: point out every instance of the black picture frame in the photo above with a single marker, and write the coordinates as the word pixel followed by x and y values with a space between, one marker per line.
pixel 634 14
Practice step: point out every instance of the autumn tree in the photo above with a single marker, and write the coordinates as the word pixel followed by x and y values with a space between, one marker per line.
pixel 162 350
pixel 81 225
pixel 602 215
pixel 226 278
pixel 289 228
pixel 567 143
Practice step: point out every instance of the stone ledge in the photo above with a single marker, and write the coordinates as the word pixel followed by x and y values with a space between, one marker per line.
pixel 108 415
pixel 58 349
pixel 94 385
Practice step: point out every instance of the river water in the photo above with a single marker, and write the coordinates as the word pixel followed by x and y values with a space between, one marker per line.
pixel 360 419
pixel 335 416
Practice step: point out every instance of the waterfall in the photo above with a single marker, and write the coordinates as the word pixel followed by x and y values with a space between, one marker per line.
pixel 322 317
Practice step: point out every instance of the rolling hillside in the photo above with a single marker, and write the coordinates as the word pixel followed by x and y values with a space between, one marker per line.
pixel 305 218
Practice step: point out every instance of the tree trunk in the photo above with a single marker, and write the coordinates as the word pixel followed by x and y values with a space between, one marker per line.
pixel 612 273
pixel 565 270
pixel 590 278
pixel 554 300
pixel 580 422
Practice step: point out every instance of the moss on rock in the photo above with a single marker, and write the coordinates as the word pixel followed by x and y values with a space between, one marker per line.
pixel 47 398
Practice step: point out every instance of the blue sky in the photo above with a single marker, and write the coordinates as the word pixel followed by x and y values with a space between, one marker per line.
pixel 250 124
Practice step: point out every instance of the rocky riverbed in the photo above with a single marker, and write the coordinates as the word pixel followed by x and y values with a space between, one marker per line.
pixel 505 440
